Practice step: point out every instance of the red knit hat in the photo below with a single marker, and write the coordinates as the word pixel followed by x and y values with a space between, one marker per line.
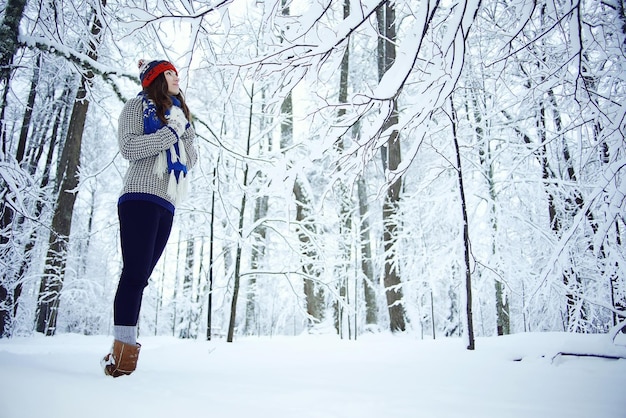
pixel 149 70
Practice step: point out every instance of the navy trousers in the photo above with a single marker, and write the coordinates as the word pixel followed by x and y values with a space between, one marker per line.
pixel 144 230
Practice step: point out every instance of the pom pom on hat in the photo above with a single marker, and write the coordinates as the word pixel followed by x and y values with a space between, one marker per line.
pixel 149 70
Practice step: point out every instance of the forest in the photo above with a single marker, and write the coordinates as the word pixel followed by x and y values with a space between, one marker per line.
pixel 439 168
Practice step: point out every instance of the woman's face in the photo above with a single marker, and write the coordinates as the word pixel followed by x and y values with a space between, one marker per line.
pixel 172 82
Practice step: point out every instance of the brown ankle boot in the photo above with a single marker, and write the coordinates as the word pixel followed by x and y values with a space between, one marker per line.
pixel 122 360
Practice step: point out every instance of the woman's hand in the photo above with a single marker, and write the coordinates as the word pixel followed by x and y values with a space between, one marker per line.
pixel 177 121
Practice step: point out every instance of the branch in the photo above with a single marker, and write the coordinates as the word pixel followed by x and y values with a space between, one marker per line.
pixel 537 38
pixel 613 332
pixel 155 19
pixel 596 355
pixel 311 49
pixel 83 61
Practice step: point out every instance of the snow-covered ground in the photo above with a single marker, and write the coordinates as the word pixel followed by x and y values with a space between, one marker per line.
pixel 317 376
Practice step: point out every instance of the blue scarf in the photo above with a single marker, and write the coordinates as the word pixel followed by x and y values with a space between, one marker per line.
pixel 171 160
pixel 152 123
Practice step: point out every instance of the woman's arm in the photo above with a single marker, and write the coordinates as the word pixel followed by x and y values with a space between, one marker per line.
pixel 188 139
pixel 134 144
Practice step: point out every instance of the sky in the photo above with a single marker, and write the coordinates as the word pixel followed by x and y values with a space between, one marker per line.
pixel 377 375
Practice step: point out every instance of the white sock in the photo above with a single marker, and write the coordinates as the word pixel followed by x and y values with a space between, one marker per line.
pixel 126 334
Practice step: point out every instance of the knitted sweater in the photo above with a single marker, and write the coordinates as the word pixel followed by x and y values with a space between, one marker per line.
pixel 141 150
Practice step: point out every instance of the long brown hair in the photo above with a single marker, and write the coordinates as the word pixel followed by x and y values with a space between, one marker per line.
pixel 157 91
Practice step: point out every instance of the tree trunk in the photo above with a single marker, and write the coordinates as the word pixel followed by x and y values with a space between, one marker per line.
pixel 575 306
pixel 67 179
pixel 305 225
pixel 56 121
pixel 618 297
pixel 11 278
pixel 211 261
pixel 261 207
pixel 233 304
pixel 28 113
pixel 391 154
pixel 9 30
pixel 187 322
pixel 242 211
pixel 367 267
pixel 313 294
pixel 52 281
pixel 342 194
pixel 258 253
pixel 469 320
pixel 175 311
pixel 503 319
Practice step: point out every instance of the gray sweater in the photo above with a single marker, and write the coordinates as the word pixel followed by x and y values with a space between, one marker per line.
pixel 142 150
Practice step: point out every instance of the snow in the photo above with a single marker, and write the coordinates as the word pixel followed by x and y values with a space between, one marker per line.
pixel 379 375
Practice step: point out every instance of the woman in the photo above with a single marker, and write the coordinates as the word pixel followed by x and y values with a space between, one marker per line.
pixel 155 136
